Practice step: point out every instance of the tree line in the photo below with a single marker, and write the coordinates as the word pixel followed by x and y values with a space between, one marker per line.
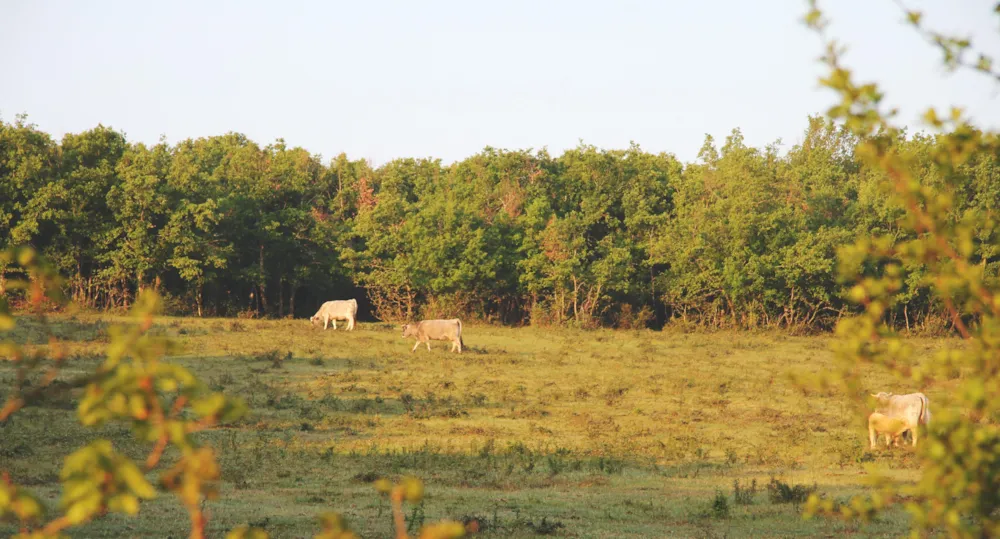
pixel 743 237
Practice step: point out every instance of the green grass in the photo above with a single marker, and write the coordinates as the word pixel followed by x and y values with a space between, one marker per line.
pixel 531 431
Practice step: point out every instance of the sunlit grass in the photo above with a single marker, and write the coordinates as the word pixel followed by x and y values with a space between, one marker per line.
pixel 606 433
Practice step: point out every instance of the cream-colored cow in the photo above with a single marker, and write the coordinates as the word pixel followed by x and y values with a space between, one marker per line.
pixel 913 409
pixel 338 309
pixel 892 427
pixel 436 330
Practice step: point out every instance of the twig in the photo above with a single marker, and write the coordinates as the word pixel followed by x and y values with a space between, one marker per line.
pixel 956 319
pixel 16 403
pixel 397 513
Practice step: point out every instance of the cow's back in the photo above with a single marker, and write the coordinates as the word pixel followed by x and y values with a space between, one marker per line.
pixel 439 329
pixel 906 407
pixel 340 307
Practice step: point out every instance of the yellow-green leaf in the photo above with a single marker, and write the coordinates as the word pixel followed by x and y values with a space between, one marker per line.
pixel 132 477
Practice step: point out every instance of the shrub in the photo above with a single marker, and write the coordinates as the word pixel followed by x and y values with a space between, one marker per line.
pixel 781 492
pixel 720 505
pixel 545 526
pixel 744 495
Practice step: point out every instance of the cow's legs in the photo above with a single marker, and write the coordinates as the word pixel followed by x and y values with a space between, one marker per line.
pixel 428 345
pixel 350 324
pixel 326 320
pixel 913 432
pixel 414 349
pixel 334 320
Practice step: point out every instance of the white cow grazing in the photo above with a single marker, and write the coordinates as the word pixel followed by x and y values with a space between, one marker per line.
pixel 437 330
pixel 892 427
pixel 913 409
pixel 339 309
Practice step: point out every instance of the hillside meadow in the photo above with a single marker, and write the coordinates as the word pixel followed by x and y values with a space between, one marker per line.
pixel 530 432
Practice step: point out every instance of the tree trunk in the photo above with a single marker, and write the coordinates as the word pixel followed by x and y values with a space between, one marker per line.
pixel 409 303
pixel 281 299
pixel 576 292
pixel 79 275
pixel 652 284
pixel 261 286
pixel 198 298
pixel 291 301
pixel 791 306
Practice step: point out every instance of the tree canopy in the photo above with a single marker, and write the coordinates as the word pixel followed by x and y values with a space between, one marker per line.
pixel 743 237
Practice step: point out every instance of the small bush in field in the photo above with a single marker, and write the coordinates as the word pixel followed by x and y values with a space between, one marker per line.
pixel 744 495
pixel 720 505
pixel 781 492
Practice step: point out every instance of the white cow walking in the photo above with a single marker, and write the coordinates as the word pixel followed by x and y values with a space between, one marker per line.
pixel 338 309
pixel 913 409
pixel 436 330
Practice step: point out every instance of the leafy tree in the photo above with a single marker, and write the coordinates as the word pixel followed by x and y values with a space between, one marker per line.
pixel 80 199
pixel 383 257
pixel 141 205
pixel 197 251
pixel 28 159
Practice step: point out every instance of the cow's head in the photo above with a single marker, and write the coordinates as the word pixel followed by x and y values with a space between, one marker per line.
pixel 882 397
pixel 409 330
pixel 315 320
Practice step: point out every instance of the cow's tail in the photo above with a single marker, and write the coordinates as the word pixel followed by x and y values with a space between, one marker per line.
pixel 925 410
pixel 461 344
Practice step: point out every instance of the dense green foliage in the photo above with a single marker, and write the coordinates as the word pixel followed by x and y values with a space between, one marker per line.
pixel 744 237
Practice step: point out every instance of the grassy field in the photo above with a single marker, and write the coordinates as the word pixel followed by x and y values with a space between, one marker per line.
pixel 532 432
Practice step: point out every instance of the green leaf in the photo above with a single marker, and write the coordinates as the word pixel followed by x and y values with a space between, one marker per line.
pixel 813 17
pixel 132 477
pixel 931 118
pixel 83 509
pixel 209 405
pixel 984 63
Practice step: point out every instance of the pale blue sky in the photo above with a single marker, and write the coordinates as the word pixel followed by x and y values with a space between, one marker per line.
pixel 385 79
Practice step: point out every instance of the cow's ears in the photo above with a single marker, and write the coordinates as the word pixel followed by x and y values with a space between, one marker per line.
pixel 873 395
